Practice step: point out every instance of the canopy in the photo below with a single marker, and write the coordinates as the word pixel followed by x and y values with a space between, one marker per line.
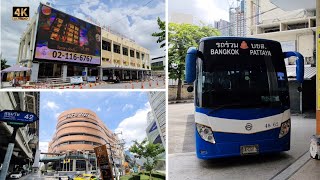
pixel 16 68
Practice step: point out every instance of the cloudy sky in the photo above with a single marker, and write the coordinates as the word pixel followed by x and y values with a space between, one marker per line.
pixel 122 111
pixel 207 11
pixel 135 19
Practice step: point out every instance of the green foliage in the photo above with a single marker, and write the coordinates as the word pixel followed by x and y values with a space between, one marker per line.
pixel 149 151
pixel 162 34
pixel 4 64
pixel 181 37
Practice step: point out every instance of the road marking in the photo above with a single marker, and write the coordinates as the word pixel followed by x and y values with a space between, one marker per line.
pixel 292 168
pixel 183 154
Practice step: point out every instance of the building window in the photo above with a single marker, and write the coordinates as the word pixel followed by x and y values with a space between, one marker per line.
pixel 142 55
pixel 131 53
pixel 116 48
pixel 106 45
pixel 125 51
pixel 138 55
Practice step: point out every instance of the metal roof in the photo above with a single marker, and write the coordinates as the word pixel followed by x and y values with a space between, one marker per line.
pixel 309 72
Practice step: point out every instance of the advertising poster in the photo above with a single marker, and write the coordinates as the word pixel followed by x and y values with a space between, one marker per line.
pixel 104 162
pixel 61 37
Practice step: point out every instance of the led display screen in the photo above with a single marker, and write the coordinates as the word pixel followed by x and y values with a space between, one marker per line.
pixel 61 37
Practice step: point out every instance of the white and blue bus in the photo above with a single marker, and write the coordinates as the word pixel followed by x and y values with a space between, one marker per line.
pixel 242 104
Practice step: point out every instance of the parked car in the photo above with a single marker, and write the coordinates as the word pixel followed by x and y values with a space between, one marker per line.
pixel 86 177
pixel 16 174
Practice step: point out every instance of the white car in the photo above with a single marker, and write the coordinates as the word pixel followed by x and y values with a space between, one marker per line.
pixel 16 175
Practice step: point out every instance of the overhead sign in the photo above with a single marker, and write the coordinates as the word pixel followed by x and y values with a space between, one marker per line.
pixel 13 117
pixel 61 37
pixel 106 168
pixel 76 80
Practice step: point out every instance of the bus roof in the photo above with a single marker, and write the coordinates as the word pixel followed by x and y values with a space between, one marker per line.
pixel 234 38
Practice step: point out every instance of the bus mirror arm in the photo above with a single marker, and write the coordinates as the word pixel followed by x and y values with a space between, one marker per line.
pixel 191 58
pixel 299 64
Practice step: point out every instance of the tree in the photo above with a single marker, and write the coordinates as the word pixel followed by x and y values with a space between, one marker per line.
pixel 149 151
pixel 4 64
pixel 162 34
pixel 181 37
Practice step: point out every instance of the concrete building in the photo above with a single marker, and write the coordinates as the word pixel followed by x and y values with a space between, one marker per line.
pixel 237 14
pixel 78 131
pixel 27 138
pixel 295 30
pixel 117 56
pixel 157 101
pixel 223 27
pixel 158 65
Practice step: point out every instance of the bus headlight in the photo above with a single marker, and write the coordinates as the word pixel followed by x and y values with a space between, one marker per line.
pixel 205 133
pixel 285 127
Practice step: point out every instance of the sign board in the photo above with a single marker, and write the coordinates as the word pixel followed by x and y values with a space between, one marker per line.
pixel 18 118
pixel 91 79
pixel 76 80
pixel 84 73
pixel 288 45
pixel 62 37
pixel 106 168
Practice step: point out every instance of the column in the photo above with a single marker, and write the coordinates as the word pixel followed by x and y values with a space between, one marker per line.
pixel 112 52
pixel 34 72
pixel 130 74
pixel 64 72
pixel 87 166
pixel 100 73
pixel 137 74
pixel 74 163
pixel 25 48
pixel 121 54
pixel 19 55
pixel 122 74
pixel 113 74
pixel 129 57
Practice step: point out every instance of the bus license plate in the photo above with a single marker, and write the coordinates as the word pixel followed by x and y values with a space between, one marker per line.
pixel 250 149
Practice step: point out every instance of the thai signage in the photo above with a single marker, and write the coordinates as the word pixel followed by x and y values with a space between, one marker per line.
pixel 61 37
pixel 75 115
pixel 232 48
pixel 106 168
pixel 20 118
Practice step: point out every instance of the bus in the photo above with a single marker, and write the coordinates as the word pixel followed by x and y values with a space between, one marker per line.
pixel 242 104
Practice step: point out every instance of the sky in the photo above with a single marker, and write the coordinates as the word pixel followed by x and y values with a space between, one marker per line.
pixel 206 11
pixel 121 111
pixel 137 19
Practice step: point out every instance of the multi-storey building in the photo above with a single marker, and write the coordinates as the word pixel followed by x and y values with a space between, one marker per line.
pixel 78 131
pixel 158 105
pixel 27 138
pixel 237 19
pixel 223 27
pixel 70 47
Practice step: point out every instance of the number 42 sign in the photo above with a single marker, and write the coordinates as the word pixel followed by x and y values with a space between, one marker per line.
pixel 20 118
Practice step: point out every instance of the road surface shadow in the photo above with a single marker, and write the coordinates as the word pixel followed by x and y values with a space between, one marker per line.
pixel 189 143
pixel 244 160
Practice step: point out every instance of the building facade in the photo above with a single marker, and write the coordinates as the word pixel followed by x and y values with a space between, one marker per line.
pixel 27 138
pixel 78 132
pixel 157 101
pixel 223 27
pixel 117 56
pixel 158 65
pixel 237 19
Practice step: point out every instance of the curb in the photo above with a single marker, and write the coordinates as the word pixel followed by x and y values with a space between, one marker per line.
pixel 181 101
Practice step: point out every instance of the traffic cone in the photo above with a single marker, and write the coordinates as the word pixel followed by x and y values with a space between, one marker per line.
pixel 132 86
pixel 157 83
pixel 72 86
pixel 80 86
pixel 95 84
pixel 142 85
pixel 149 83
pixel 90 85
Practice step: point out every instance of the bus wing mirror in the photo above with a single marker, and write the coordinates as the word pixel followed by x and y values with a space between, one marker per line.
pixel 190 88
pixel 191 58
pixel 299 64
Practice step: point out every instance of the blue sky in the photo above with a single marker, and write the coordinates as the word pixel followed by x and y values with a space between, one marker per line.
pixel 135 19
pixel 122 111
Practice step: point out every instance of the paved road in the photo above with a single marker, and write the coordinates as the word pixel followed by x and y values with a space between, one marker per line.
pixel 156 84
pixel 183 163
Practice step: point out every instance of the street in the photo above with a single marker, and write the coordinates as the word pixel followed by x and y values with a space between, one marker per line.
pixel 183 163
pixel 156 84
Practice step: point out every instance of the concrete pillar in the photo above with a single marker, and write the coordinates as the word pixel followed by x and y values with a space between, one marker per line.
pixel 113 74
pixel 64 72
pixel 34 72
pixel 121 55
pixel 74 163
pixel 137 74
pixel 122 74
pixel 112 52
pixel 86 71
pixel 25 48
pixel 130 74
pixel 87 166
pixel 19 55
pixel 129 57
pixel 100 73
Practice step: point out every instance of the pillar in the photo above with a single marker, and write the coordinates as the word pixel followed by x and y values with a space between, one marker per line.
pixel 130 74
pixel 100 73
pixel 113 74
pixel 112 52
pixel 74 164
pixel 87 166
pixel 64 72
pixel 122 72
pixel 34 72
pixel 137 74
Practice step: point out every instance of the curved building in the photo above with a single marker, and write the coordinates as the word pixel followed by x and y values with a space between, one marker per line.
pixel 78 131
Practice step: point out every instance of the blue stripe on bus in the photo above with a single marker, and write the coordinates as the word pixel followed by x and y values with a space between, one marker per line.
pixel 240 114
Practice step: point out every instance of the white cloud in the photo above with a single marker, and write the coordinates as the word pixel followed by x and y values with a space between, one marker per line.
pixel 43 146
pixel 134 127
pixel 98 109
pixel 127 107
pixel 52 105
pixel 207 11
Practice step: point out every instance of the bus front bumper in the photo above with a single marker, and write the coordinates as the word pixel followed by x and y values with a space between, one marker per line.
pixel 206 150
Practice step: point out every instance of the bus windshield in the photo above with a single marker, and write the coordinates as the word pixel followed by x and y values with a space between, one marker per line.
pixel 241 81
